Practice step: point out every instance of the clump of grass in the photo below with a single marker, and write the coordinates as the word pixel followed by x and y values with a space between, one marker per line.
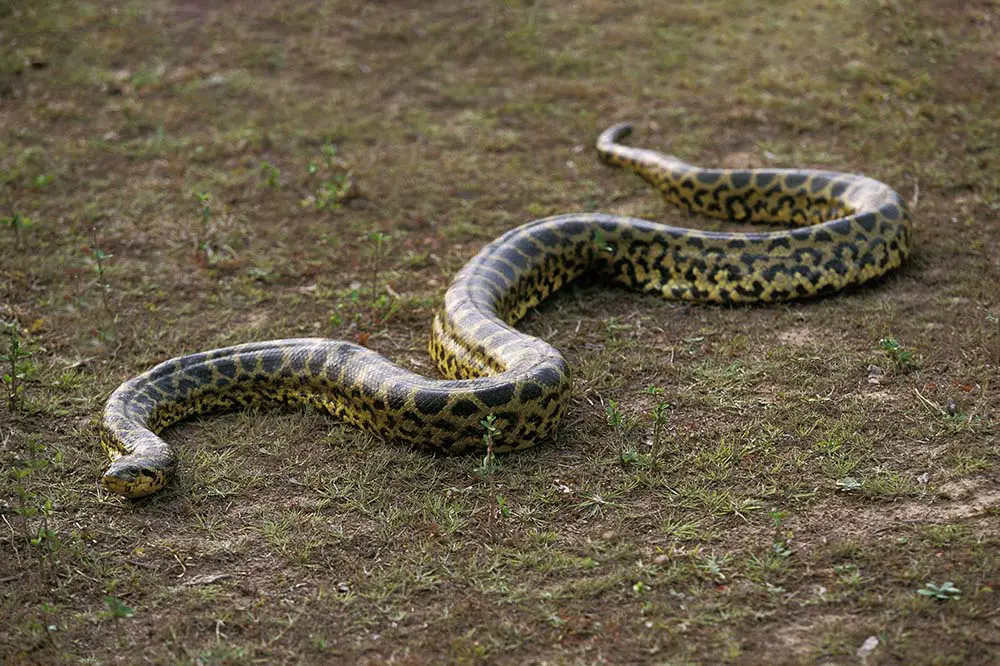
pixel 33 508
pixel 337 185
pixel 213 241
pixel 368 315
pixel 100 260
pixel 117 609
pixel 904 359
pixel 660 416
pixel 17 365
pixel 616 420
pixel 944 592
pixel 271 175
pixel 781 544
pixel 17 223
pixel 490 465
pixel 379 302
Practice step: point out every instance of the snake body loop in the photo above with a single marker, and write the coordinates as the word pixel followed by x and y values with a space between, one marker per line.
pixel 844 230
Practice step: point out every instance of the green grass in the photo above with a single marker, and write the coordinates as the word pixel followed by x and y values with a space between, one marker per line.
pixel 176 177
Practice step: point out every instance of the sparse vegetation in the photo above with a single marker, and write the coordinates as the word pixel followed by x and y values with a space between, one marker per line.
pixel 336 185
pixel 271 175
pixel 904 359
pixel 772 499
pixel 16 223
pixel 17 364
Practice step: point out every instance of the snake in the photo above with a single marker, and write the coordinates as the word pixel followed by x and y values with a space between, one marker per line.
pixel 834 230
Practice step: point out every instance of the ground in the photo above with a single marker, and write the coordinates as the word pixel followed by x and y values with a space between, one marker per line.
pixel 182 175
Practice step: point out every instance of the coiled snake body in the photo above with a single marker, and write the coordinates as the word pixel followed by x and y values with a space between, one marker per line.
pixel 845 230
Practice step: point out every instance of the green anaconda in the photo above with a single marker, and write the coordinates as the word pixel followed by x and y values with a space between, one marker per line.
pixel 840 230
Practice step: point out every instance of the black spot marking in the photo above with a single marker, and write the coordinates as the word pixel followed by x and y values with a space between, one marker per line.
pixel 737 209
pixel 794 180
pixel 754 291
pixel 530 391
pixel 763 178
pixel 270 362
pixel 495 396
pixel 547 237
pixel 800 234
pixel 226 367
pixel 464 408
pixel 430 401
pixel 549 376
pixel 740 179
pixel 573 227
pixel 841 226
pixel 818 183
pixel 297 361
pixel 315 363
pixel 396 397
pixel 837 266
pixel 504 269
pixel 866 221
pixel 525 246
pixel 708 177
pixel 512 256
pixel 803 252
pixel 185 385
pixel 889 211
pixel 201 374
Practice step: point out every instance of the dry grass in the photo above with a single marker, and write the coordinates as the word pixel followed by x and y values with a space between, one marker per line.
pixel 795 502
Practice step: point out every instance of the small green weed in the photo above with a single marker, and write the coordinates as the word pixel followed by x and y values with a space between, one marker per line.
pixel 944 592
pixel 271 175
pixel 17 223
pixel 214 241
pixel 17 365
pixel 848 484
pixel 904 359
pixel 489 463
pixel 33 509
pixel 616 420
pixel 43 180
pixel 659 414
pixel 117 610
pixel 337 185
pixel 100 260
pixel 379 302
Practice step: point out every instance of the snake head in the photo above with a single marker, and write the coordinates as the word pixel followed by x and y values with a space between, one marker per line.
pixel 134 476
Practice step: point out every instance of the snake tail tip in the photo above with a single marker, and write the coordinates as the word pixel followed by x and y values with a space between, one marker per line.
pixel 616 132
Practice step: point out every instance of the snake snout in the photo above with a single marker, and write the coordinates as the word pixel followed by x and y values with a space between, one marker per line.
pixel 132 477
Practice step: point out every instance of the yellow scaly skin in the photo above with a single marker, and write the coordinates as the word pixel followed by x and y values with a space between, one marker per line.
pixel 846 230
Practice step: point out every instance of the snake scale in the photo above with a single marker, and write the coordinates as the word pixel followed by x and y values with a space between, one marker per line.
pixel 840 230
